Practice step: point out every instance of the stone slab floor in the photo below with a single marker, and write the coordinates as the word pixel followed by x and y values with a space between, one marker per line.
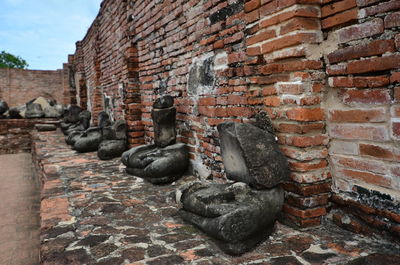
pixel 19 211
pixel 92 212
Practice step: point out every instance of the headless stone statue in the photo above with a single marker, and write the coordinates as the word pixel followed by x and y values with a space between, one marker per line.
pixel 240 215
pixel 89 140
pixel 71 119
pixel 157 165
pixel 104 119
pixel 114 141
pixel 3 107
pixel 75 130
pixel 164 161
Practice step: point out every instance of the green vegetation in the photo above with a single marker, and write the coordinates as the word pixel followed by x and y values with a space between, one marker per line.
pixel 7 60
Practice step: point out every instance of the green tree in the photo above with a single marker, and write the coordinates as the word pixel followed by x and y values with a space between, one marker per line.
pixel 7 60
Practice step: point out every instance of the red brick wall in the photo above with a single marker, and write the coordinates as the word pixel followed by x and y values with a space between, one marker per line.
pixel 102 63
pixel 363 111
pixel 20 86
pixel 288 80
pixel 228 59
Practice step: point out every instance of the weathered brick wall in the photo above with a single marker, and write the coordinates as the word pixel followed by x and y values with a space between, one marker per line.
pixel 289 82
pixel 15 134
pixel 226 60
pixel 19 86
pixel 102 64
pixel 363 111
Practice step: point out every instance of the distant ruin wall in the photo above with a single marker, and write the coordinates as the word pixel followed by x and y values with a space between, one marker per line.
pixel 332 100
pixel 18 86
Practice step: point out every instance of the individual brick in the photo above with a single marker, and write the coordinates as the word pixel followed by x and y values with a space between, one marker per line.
pixel 380 151
pixel 359 31
pixel 359 82
pixel 251 5
pixel 357 115
pixel 359 132
pixel 374 64
pixel 337 7
pixel 376 47
pixel 303 114
pixel 366 96
pixel 392 20
pixel 309 213
pixel 379 9
pixel 366 177
pixel 287 41
pixel 341 18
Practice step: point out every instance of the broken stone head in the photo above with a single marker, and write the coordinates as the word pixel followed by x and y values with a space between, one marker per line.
pixel 164 161
pixel 240 215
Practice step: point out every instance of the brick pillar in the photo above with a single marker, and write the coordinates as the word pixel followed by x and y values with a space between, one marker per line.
pixel 132 99
pixel 283 37
pixel 364 113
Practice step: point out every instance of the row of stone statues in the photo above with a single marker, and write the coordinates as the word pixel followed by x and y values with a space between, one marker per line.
pixel 108 138
pixel 237 215
pixel 36 108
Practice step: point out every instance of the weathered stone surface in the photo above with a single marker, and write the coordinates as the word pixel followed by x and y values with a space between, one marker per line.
pixel 71 138
pixel 56 111
pixel 34 110
pixel 89 140
pixel 164 126
pixel 45 127
pixel 3 107
pixel 84 119
pixel 237 216
pixel 110 149
pixel 157 165
pixel 163 102
pixel 17 112
pixel 376 259
pixel 43 102
pixel 117 131
pixel 251 155
pixel 114 141
pixel 263 122
pixel 72 130
pixel 71 127
pixel 104 119
pixel 71 114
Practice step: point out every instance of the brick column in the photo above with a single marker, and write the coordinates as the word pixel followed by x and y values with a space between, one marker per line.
pixel 363 113
pixel 132 98
pixel 284 39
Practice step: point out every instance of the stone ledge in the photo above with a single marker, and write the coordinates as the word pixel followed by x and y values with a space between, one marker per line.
pixel 94 213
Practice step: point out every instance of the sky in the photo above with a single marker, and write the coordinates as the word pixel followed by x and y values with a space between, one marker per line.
pixel 44 32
